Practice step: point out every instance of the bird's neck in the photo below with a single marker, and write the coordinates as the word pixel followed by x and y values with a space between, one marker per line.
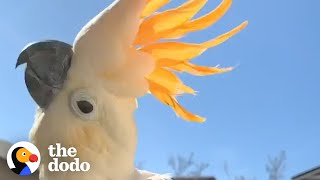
pixel 108 164
pixel 109 148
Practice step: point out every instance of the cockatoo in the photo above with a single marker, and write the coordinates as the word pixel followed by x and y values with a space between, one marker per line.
pixel 87 92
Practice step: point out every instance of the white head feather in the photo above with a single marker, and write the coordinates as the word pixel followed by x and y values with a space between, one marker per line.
pixel 110 74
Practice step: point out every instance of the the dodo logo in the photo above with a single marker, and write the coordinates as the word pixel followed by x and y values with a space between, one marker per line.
pixel 23 158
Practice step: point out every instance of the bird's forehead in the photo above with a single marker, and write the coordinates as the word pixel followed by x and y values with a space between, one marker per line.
pixel 24 150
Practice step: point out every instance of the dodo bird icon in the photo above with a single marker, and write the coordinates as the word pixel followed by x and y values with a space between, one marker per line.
pixel 23 158
pixel 20 156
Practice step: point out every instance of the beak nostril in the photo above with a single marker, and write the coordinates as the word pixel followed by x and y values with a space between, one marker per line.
pixel 33 158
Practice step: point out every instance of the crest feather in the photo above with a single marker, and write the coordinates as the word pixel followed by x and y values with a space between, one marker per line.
pixel 164 84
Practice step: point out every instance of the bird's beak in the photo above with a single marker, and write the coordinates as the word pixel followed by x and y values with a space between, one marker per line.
pixel 47 65
pixel 33 158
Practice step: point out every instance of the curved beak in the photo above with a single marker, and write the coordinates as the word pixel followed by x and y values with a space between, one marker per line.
pixel 48 63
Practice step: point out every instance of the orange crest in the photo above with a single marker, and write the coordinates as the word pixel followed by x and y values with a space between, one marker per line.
pixel 172 57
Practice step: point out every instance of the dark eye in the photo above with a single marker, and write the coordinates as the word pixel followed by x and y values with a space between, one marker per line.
pixel 24 154
pixel 85 106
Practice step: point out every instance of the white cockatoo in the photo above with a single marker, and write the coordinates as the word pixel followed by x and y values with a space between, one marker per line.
pixel 87 92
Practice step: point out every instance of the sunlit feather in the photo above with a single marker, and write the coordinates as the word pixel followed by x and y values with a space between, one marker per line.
pixel 165 97
pixel 198 70
pixel 172 57
pixel 185 51
pixel 152 6
pixel 202 22
pixel 169 81
pixel 167 20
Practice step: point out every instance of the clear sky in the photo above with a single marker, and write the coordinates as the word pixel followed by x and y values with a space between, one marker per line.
pixel 269 103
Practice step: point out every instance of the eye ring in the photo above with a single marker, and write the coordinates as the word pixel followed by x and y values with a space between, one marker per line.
pixel 24 153
pixel 83 105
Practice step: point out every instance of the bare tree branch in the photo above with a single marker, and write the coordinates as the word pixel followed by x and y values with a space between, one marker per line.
pixel 180 164
pixel 199 169
pixel 187 166
pixel 276 166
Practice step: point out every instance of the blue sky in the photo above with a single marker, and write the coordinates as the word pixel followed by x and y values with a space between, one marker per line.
pixel 269 103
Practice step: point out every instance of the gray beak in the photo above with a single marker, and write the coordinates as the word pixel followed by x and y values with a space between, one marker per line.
pixel 48 63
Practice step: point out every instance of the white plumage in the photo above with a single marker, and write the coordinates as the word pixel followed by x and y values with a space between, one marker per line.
pixel 87 93
pixel 109 71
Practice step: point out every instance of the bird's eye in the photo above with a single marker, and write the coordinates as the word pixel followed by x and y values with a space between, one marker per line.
pixel 83 105
pixel 24 154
